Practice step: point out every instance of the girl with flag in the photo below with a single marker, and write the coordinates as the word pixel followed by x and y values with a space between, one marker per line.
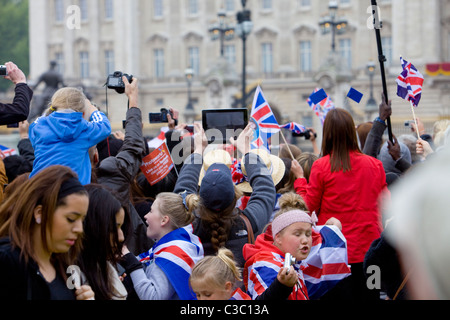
pixel 293 231
pixel 216 278
pixel 163 272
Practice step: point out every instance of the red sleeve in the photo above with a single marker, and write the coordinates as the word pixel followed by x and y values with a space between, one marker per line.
pixel 311 192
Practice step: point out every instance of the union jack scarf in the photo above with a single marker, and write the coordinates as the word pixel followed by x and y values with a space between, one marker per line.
pixel 325 266
pixel 176 254
pixel 327 263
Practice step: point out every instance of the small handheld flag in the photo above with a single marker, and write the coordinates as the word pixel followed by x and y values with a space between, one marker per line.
pixel 409 86
pixel 323 106
pixel 294 127
pixel 6 152
pixel 264 119
pixel 409 83
pixel 318 96
pixel 355 95
pixel 157 165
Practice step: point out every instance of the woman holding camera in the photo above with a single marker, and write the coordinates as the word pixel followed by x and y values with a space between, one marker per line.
pixel 346 184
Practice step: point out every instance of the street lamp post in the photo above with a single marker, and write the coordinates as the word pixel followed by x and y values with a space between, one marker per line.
pixel 371 105
pixel 189 112
pixel 222 31
pixel 243 29
pixel 332 23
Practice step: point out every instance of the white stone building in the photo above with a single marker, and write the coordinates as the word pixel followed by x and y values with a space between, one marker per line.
pixel 156 40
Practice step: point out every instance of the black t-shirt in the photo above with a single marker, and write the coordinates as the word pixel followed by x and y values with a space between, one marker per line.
pixel 59 290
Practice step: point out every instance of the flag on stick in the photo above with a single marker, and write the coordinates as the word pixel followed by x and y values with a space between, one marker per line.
pixel 409 83
pixel 355 95
pixel 322 107
pixel 409 86
pixel 294 127
pixel 157 165
pixel 266 123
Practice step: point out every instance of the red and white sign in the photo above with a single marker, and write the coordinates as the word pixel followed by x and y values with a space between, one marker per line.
pixel 157 165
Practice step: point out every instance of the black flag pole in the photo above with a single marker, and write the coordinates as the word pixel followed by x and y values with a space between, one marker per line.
pixel 377 24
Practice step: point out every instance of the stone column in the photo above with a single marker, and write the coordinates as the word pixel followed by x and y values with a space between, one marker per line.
pixel 38 20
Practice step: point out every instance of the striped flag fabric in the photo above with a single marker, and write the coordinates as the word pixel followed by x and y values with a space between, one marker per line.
pixel 409 83
pixel 327 263
pixel 157 141
pixel 263 117
pixel 239 295
pixel 6 152
pixel 320 109
pixel 176 254
pixel 294 127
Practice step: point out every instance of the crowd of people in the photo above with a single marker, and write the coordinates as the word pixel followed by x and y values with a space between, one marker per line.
pixel 79 220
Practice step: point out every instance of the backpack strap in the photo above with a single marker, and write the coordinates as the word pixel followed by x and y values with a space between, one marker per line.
pixel 248 225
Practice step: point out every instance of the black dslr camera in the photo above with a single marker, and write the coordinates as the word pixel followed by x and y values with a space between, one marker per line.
pixel 161 117
pixel 115 81
pixel 306 134
pixel 3 71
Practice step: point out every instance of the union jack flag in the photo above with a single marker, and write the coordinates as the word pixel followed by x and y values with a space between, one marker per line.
pixel 176 254
pixel 6 152
pixel 409 83
pixel 321 109
pixel 266 123
pixel 327 261
pixel 294 127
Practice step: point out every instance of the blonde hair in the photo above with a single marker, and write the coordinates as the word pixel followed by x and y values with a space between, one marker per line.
pixel 67 98
pixel 171 204
pixel 218 269
pixel 291 201
pixel 439 128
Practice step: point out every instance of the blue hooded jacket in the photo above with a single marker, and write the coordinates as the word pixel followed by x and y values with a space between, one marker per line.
pixel 65 139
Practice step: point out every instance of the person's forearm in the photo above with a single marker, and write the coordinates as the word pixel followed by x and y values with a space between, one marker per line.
pixel 133 101
pixel 276 291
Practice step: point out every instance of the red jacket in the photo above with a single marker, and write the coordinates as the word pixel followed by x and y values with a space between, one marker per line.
pixel 350 197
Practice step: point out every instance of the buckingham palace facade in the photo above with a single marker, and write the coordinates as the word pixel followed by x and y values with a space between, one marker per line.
pixel 290 50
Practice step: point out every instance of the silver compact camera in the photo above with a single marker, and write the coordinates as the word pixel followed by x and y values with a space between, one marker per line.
pixel 289 260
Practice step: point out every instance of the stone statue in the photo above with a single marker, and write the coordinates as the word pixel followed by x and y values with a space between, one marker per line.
pixel 53 80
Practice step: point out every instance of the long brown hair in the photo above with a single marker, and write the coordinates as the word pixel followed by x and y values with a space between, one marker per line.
pixel 339 139
pixel 17 212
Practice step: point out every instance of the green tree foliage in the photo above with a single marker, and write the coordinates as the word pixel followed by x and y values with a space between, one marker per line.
pixel 14 36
